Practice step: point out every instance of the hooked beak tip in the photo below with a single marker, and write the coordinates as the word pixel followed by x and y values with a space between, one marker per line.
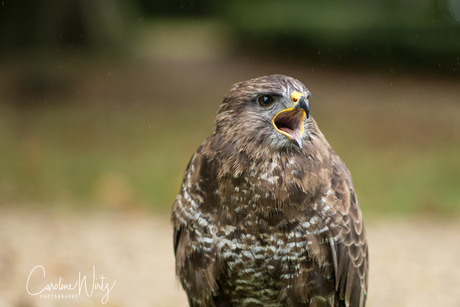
pixel 297 142
pixel 303 104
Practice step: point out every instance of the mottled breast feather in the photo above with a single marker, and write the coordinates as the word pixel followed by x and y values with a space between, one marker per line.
pixel 258 222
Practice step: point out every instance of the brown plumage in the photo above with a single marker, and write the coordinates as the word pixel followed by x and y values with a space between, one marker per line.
pixel 267 214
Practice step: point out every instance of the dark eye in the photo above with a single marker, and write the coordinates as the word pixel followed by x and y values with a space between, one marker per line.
pixel 265 101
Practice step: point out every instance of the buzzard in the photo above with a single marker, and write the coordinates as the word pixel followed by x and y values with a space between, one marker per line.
pixel 267 214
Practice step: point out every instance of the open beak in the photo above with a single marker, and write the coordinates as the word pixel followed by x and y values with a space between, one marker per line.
pixel 290 121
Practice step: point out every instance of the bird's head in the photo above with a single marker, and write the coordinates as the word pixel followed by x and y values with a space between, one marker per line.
pixel 272 110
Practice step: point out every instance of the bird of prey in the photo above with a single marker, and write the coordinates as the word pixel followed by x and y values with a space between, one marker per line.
pixel 267 214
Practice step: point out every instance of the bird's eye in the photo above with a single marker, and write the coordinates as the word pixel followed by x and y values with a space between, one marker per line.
pixel 265 100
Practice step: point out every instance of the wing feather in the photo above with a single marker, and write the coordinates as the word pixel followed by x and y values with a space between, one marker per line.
pixel 352 251
pixel 198 264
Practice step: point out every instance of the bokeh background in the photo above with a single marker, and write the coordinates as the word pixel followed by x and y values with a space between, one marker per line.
pixel 102 103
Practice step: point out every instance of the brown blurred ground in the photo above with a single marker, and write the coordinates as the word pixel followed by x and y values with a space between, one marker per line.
pixel 413 263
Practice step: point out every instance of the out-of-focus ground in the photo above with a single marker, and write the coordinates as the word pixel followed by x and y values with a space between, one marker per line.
pixel 412 263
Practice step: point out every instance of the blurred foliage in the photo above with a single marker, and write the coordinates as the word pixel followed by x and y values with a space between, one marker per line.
pixel 175 8
pixel 422 33
pixel 116 156
pixel 64 26
pixel 121 135
pixel 81 127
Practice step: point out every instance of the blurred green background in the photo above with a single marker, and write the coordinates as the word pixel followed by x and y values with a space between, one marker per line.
pixel 102 103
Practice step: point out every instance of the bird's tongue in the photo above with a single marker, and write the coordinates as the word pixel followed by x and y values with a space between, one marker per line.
pixel 287 130
pixel 290 123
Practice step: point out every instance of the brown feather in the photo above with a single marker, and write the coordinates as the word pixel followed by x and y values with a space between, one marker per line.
pixel 259 221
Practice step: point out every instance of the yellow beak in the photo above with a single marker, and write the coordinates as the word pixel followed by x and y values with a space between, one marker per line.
pixel 290 121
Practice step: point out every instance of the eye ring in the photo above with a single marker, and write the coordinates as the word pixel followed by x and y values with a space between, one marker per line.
pixel 265 100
